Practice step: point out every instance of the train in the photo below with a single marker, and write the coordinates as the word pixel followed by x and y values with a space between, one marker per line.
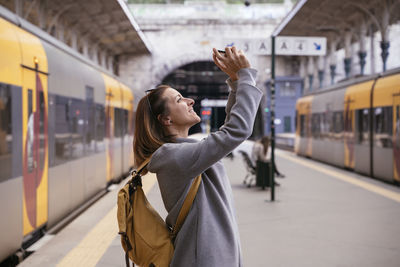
pixel 66 131
pixel 354 124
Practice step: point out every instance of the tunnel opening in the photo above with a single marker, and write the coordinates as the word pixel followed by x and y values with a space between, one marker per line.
pixel 204 82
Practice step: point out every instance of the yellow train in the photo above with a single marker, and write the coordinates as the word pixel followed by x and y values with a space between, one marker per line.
pixel 66 131
pixel 354 125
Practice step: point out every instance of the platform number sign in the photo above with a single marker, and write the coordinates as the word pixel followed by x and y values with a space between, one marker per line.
pixel 251 46
pixel 300 46
pixel 285 45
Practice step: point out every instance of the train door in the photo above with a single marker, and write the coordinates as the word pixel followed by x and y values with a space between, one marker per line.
pixel 35 149
pixel 308 131
pixel 303 144
pixel 349 141
pixel 396 137
pixel 109 135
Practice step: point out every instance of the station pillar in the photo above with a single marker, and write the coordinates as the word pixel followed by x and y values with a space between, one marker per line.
pixel 332 59
pixel 332 68
pixel 362 53
pixel 321 70
pixel 385 22
pixel 310 71
pixel 385 53
pixel 303 69
pixel 348 53
pixel 347 66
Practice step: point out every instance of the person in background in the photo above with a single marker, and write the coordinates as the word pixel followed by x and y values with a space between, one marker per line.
pixel 263 154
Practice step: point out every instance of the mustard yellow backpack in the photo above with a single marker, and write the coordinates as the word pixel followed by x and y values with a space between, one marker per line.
pixel 145 237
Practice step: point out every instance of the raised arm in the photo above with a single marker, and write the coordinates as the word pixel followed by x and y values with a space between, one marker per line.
pixel 191 159
pixel 231 98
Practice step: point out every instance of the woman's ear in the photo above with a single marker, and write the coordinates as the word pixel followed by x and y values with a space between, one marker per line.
pixel 165 120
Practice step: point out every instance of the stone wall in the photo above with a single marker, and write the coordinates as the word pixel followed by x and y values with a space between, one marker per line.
pixel 182 34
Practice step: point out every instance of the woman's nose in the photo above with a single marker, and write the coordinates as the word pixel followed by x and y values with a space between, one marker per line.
pixel 190 101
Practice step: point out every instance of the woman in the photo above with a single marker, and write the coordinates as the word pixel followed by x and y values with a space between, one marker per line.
pixel 209 236
pixel 262 154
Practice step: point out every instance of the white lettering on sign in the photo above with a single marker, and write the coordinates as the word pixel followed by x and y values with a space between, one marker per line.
pixel 300 46
pixel 284 45
pixel 262 47
pixel 251 46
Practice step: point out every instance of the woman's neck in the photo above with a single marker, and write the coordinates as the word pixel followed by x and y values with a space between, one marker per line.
pixel 180 132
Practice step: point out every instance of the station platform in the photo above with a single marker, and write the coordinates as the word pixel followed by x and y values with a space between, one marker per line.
pixel 322 216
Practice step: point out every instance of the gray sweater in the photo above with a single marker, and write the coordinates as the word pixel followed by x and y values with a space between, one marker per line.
pixel 209 236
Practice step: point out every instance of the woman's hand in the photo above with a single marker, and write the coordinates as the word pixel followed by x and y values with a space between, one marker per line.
pixel 231 62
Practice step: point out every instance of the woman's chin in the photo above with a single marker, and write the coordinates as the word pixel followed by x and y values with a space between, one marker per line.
pixel 196 121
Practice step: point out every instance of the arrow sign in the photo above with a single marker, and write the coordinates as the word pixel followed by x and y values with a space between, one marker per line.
pixel 300 46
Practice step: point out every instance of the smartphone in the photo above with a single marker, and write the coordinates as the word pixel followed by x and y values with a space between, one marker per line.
pixel 221 51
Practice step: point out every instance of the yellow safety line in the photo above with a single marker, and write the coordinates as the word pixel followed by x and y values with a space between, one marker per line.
pixel 367 186
pixel 92 247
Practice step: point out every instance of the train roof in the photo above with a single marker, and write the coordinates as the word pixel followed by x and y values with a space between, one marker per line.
pixel 44 36
pixel 321 18
pixel 354 80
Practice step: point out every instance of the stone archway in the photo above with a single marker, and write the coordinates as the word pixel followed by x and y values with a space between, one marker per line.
pixel 168 65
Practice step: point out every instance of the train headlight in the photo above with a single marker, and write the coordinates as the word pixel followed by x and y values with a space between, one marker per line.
pixel 36 61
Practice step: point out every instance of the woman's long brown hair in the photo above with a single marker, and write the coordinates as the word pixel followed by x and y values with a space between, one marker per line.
pixel 149 134
pixel 265 143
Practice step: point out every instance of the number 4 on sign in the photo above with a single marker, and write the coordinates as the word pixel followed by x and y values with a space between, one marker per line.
pixel 300 46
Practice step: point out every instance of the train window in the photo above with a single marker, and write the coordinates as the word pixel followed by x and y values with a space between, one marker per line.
pixel 100 128
pixel 302 125
pixel 287 124
pixel 124 118
pixel 383 124
pixel 124 122
pixel 328 123
pixel 118 122
pixel 90 129
pixel 348 121
pixel 108 122
pixel 338 121
pixel 42 110
pixel 315 125
pixel 30 134
pixel 5 133
pixel 62 130
pixel 77 113
pixel 321 125
pixel 362 126
pixel 324 125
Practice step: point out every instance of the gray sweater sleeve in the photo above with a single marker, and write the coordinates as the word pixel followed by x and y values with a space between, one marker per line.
pixel 191 159
pixel 231 98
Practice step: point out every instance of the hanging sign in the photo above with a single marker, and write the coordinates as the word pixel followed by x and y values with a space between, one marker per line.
pixel 284 46
pixel 251 46
pixel 300 46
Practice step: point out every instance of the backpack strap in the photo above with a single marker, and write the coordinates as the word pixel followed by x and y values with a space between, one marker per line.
pixel 187 204
pixel 143 165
